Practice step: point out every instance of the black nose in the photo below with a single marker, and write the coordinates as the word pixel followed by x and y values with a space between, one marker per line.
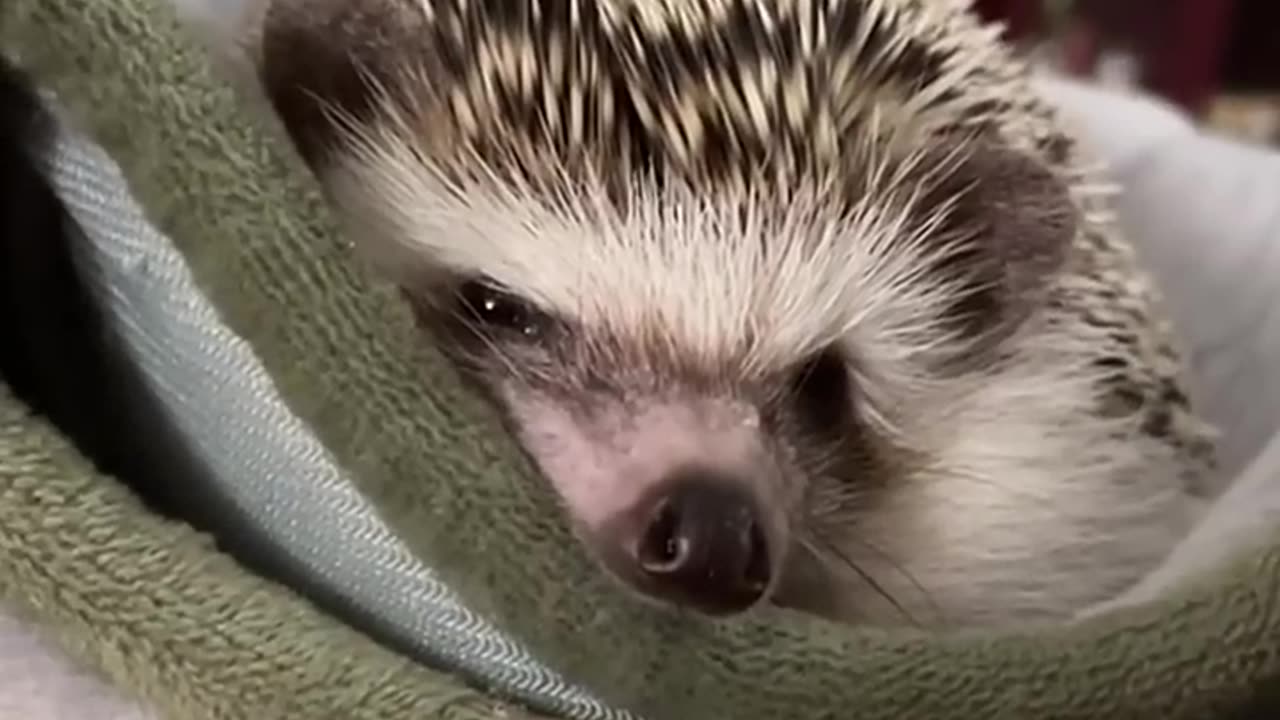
pixel 703 545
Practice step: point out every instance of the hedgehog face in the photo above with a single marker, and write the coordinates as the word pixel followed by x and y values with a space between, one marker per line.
pixel 711 376
pixel 694 483
pixel 705 379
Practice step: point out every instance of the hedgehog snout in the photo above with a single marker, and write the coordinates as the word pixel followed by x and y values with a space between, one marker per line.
pixel 681 499
pixel 701 543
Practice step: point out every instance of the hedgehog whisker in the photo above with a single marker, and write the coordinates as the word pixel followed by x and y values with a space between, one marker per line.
pixel 826 553
pixel 936 609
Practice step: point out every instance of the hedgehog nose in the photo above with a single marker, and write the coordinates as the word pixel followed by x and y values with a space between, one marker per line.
pixel 703 545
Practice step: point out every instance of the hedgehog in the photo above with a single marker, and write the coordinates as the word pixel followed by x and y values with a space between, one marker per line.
pixel 805 303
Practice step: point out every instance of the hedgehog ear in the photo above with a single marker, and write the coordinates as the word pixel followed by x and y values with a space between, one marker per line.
pixel 1019 221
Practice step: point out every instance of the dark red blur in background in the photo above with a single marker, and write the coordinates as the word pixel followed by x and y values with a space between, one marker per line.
pixel 1188 50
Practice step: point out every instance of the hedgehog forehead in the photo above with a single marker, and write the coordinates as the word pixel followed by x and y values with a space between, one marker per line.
pixel 715 283
pixel 723 276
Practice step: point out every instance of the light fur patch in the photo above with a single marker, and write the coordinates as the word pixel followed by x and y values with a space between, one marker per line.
pixel 731 278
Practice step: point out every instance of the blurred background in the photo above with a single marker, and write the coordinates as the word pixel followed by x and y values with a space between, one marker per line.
pixel 1217 59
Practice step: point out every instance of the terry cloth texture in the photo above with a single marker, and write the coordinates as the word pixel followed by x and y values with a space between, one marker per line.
pixel 153 607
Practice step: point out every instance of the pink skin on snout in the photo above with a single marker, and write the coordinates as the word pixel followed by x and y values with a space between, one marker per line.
pixel 611 465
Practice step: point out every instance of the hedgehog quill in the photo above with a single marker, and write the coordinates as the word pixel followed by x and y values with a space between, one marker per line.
pixel 797 302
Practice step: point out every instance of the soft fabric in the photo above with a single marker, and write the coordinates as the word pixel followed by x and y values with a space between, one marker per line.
pixel 258 476
pixel 150 606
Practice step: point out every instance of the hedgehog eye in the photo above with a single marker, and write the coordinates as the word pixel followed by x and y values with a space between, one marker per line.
pixel 821 389
pixel 488 305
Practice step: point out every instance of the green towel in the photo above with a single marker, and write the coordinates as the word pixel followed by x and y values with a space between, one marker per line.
pixel 158 611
